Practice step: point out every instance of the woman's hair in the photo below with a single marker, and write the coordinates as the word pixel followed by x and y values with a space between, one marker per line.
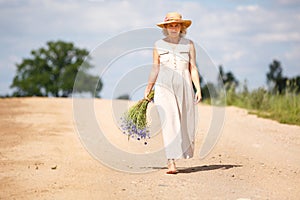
pixel 182 31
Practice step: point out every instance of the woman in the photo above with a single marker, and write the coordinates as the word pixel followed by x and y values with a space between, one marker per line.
pixel 174 72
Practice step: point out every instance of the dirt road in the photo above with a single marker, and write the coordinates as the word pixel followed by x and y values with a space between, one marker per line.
pixel 42 157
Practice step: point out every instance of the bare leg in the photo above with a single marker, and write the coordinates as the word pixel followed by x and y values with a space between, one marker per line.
pixel 171 167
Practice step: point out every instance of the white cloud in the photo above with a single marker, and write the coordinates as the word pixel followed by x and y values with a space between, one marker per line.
pixel 277 37
pixel 249 8
pixel 233 56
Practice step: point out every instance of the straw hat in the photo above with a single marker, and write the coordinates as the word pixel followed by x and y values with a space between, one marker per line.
pixel 174 17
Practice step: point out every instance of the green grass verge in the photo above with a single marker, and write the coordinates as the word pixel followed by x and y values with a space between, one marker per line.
pixel 284 108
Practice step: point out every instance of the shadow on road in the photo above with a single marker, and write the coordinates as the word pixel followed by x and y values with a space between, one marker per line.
pixel 206 168
pixel 201 168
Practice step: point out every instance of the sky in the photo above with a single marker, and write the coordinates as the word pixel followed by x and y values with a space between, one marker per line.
pixel 244 36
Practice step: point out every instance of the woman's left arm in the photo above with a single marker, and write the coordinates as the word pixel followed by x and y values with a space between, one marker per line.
pixel 194 73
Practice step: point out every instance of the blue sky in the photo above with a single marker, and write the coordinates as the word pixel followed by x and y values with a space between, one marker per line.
pixel 244 36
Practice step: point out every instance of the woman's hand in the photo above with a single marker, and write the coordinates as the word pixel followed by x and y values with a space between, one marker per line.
pixel 146 93
pixel 198 97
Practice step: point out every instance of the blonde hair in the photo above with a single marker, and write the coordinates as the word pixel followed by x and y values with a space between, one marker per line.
pixel 182 31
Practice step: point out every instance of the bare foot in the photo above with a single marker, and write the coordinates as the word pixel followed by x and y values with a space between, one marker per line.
pixel 171 167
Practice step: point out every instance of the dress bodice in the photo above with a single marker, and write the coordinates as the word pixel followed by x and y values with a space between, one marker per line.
pixel 174 56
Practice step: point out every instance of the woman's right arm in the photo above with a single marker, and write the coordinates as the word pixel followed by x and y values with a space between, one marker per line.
pixel 153 74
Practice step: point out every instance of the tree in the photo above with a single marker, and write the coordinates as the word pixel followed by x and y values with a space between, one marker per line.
pixel 275 80
pixel 52 71
pixel 294 84
pixel 228 79
pixel 124 96
pixel 209 91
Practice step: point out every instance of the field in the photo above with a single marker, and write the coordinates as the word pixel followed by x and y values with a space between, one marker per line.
pixel 284 108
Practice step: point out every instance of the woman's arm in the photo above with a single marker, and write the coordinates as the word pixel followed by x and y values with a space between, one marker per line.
pixel 194 73
pixel 153 74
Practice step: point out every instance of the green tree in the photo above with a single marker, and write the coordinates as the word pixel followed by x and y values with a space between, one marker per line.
pixel 124 96
pixel 228 79
pixel 52 71
pixel 294 84
pixel 209 91
pixel 275 80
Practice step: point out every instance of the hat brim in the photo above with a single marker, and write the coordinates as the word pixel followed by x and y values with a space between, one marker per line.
pixel 186 23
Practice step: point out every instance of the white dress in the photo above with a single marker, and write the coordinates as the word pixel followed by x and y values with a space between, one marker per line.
pixel 174 98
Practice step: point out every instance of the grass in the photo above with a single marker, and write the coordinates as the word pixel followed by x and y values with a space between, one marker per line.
pixel 284 108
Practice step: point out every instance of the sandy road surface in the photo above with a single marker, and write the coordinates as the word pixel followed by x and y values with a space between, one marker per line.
pixel 42 157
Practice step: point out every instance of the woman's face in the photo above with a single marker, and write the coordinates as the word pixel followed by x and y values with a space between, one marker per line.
pixel 173 29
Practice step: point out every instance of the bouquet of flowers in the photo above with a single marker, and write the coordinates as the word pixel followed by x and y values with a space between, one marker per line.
pixel 134 122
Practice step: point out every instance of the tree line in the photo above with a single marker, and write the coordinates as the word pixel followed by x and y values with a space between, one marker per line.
pixel 51 72
pixel 276 82
pixel 280 84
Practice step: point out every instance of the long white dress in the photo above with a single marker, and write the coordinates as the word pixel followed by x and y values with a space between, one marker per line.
pixel 174 97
